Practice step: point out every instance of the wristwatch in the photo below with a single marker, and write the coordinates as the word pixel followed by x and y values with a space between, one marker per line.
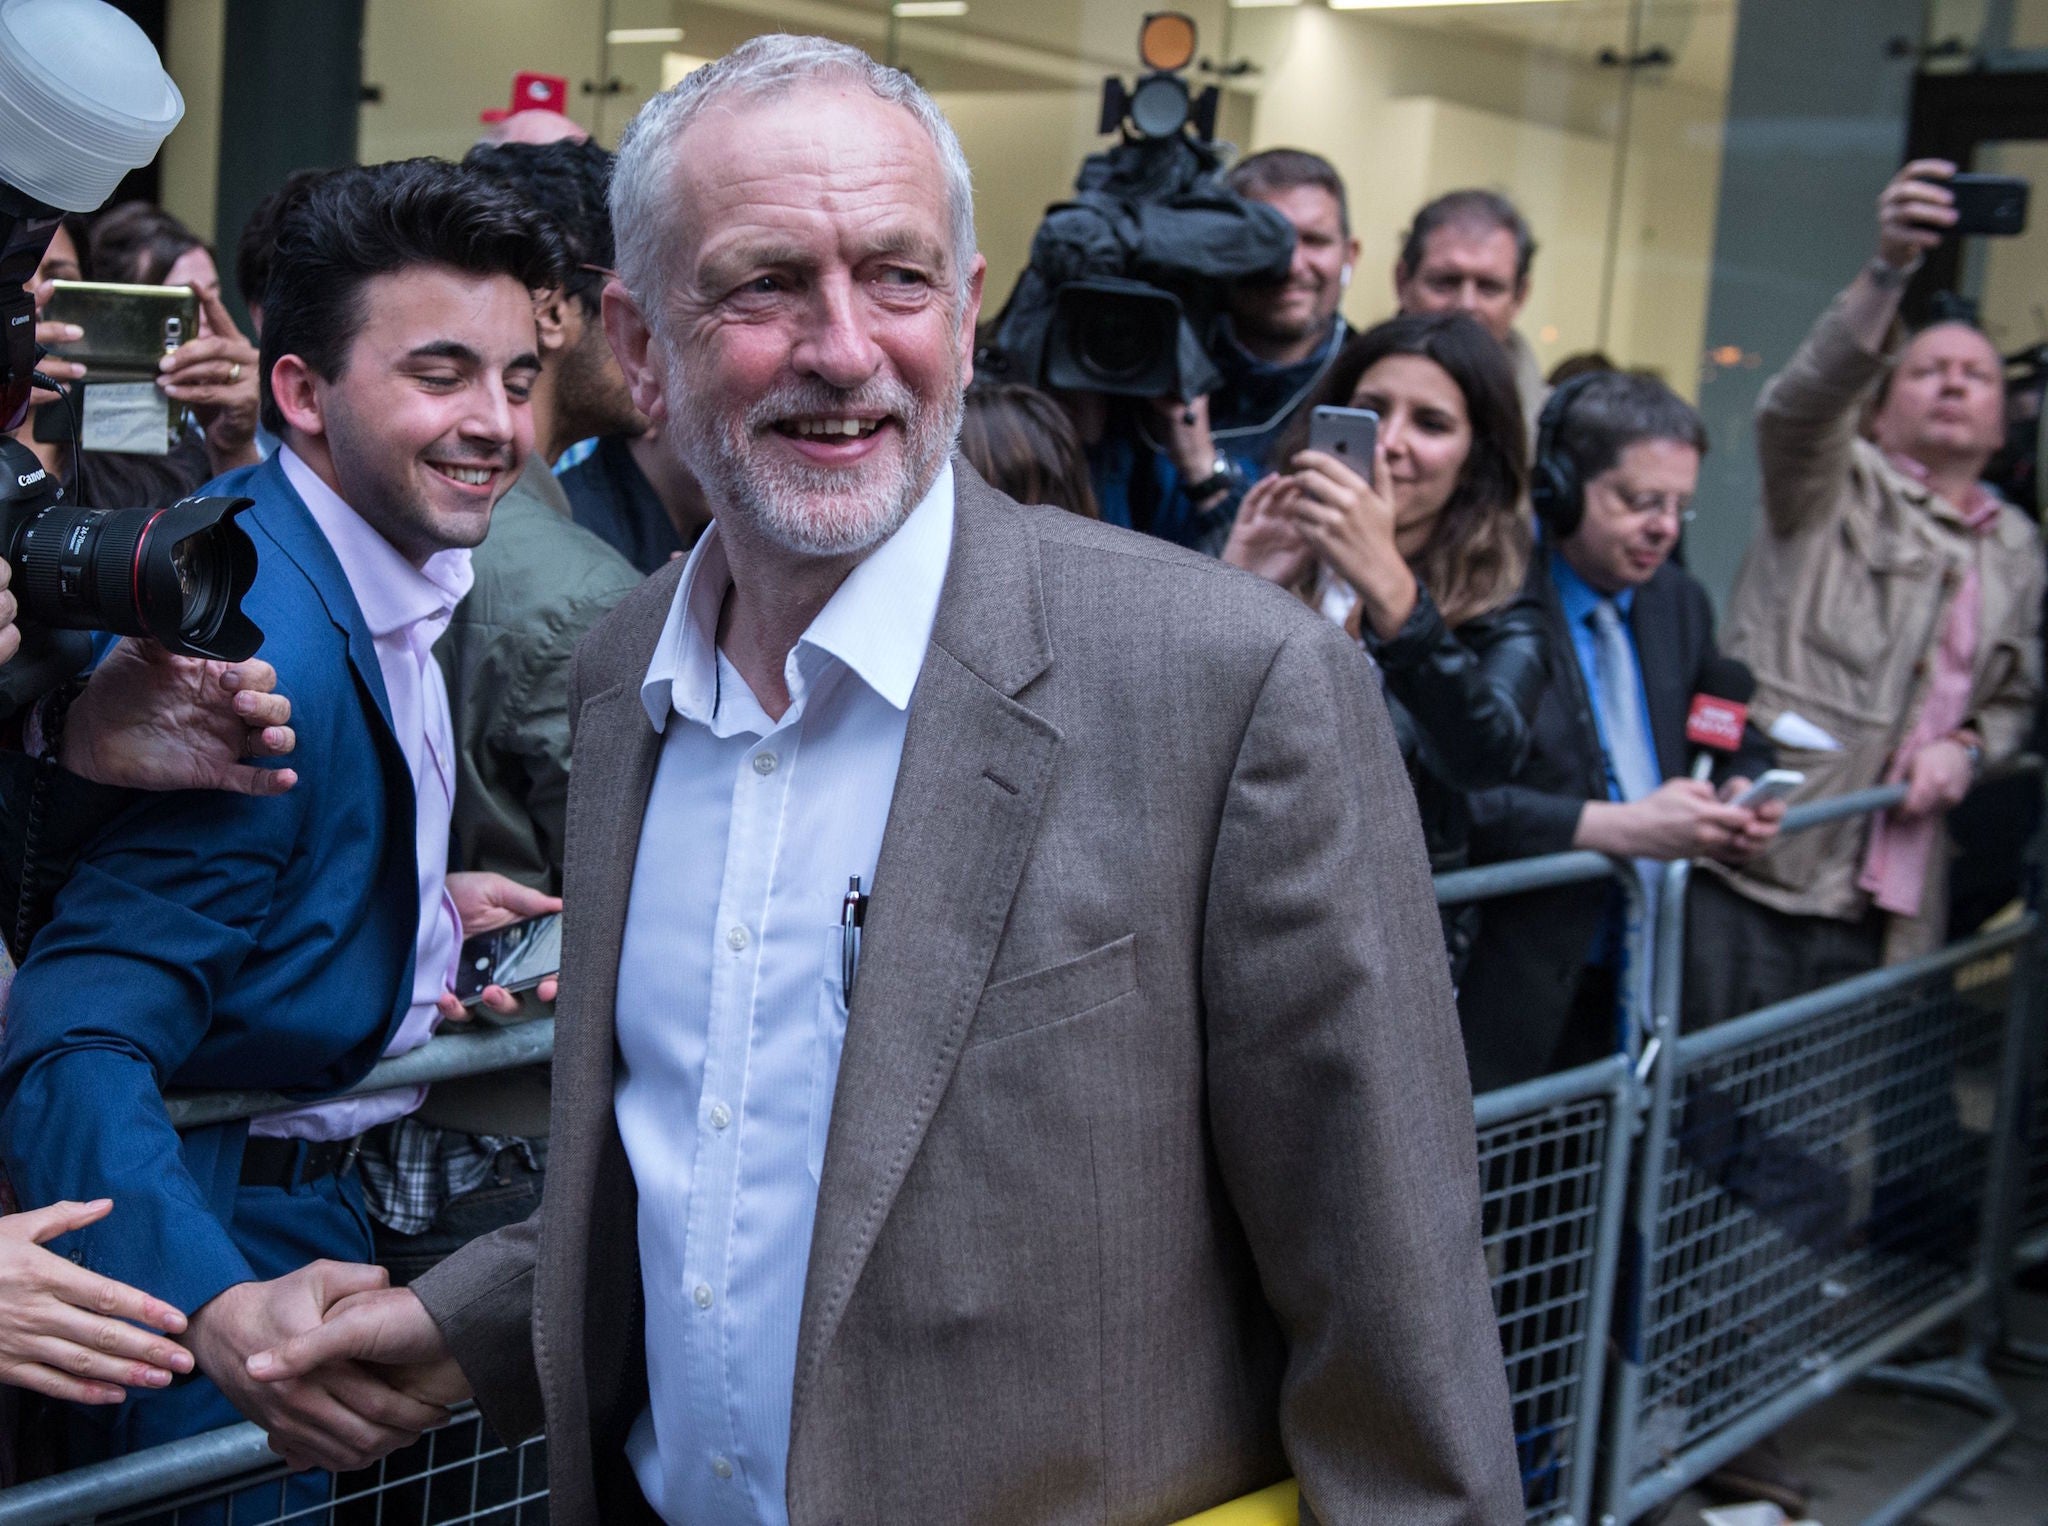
pixel 1222 475
pixel 1886 276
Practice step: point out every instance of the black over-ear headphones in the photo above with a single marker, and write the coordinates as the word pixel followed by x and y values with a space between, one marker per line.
pixel 1555 492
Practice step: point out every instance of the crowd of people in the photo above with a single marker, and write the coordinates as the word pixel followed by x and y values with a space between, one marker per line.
pixel 1004 1018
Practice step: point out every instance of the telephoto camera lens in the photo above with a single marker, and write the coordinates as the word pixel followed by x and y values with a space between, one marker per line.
pixel 175 575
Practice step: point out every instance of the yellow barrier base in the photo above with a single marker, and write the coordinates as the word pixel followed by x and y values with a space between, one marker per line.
pixel 1277 1506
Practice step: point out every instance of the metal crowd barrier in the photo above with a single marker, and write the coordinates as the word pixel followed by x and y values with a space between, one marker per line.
pixel 1689 1243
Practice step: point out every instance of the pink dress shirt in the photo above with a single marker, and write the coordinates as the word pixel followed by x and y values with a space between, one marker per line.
pixel 406 609
pixel 1895 863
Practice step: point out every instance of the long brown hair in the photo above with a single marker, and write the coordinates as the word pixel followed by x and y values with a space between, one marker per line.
pixel 1023 443
pixel 1478 549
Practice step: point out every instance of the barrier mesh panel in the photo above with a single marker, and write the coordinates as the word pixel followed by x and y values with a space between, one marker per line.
pixel 1819 1186
pixel 1541 1177
pixel 458 1474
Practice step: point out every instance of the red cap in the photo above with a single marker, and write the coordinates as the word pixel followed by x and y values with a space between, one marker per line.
pixel 533 92
pixel 1715 723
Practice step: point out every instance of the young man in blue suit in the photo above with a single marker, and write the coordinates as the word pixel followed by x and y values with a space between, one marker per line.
pixel 286 943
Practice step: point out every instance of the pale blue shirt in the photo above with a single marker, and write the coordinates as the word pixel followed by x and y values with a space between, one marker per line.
pixel 730 1010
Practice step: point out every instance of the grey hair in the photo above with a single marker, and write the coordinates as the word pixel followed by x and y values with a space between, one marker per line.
pixel 758 69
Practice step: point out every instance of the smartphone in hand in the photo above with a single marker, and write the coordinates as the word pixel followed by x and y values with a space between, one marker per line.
pixel 518 957
pixel 1352 435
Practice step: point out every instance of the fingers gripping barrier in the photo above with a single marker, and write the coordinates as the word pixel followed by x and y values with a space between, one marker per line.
pixel 1688 1243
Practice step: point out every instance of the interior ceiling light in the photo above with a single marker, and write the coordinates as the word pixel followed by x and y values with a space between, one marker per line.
pixel 1426 5
pixel 618 36
pixel 1253 5
pixel 914 9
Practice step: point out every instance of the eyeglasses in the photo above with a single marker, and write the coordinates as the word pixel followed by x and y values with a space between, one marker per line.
pixel 1677 506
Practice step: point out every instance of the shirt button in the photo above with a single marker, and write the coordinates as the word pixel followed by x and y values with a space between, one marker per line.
pixel 721 1115
pixel 736 939
pixel 764 763
pixel 703 1295
pixel 721 1467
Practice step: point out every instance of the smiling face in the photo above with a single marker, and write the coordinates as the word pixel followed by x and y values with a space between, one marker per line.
pixel 1634 513
pixel 1300 307
pixel 811 342
pixel 1426 431
pixel 1466 268
pixel 1945 406
pixel 428 422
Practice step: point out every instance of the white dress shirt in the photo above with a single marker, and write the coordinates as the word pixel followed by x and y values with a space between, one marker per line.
pixel 730 1010
pixel 406 609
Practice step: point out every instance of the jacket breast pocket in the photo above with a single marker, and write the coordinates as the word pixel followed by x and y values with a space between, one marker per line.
pixel 1067 990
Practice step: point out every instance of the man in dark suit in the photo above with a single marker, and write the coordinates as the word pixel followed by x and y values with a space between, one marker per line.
pixel 1632 636
pixel 282 943
pixel 1115 1157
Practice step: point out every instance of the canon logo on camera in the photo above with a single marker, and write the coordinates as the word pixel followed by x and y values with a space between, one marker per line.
pixel 31 479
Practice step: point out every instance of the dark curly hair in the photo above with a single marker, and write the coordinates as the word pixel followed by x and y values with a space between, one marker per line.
pixel 1478 549
pixel 356 224
pixel 569 183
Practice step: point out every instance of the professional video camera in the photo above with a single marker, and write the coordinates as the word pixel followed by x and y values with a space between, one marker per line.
pixel 83 99
pixel 1126 280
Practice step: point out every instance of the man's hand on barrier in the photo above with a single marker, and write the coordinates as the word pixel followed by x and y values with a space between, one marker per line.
pixel 152 720
pixel 1937 778
pixel 386 1333
pixel 1681 818
pixel 62 1330
pixel 1759 834
pixel 337 1417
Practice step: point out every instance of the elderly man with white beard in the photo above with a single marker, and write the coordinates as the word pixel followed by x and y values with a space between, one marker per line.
pixel 997 1080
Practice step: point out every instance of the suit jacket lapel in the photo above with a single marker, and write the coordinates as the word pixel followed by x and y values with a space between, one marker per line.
pixel 287 520
pixel 976 766
pixel 1655 624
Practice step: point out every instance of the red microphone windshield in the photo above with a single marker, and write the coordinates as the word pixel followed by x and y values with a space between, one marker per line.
pixel 1715 723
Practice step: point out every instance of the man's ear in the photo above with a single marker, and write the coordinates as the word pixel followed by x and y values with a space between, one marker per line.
pixel 551 321
pixel 970 317
pixel 632 342
pixel 295 390
pixel 1400 276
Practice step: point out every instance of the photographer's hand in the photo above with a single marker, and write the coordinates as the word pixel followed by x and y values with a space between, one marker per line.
pixel 10 633
pixel 215 376
pixel 54 366
pixel 1189 445
pixel 1914 212
pixel 151 720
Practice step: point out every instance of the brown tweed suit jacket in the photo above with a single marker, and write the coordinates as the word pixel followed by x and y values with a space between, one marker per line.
pixel 1151 1175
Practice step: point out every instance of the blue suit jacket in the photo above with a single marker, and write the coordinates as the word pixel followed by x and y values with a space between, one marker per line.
pixel 212 940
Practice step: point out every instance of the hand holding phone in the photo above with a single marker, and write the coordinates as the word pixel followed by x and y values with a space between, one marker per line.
pixel 515 958
pixel 1776 784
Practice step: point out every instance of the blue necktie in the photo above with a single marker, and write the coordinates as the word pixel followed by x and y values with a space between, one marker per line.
pixel 1629 751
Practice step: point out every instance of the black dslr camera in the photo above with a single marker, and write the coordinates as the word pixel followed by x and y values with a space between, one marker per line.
pixel 1126 280
pixel 175 575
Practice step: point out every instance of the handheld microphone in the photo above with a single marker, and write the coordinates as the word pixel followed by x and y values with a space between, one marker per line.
pixel 1719 712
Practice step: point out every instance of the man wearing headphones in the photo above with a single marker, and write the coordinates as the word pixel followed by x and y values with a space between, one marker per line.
pixel 1278 340
pixel 1631 638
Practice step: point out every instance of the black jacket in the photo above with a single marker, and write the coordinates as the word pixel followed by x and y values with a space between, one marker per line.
pixel 1462 702
pixel 1518 990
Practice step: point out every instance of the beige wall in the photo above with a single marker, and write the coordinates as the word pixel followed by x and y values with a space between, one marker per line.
pixel 195 34
pixel 440 62
pixel 1406 112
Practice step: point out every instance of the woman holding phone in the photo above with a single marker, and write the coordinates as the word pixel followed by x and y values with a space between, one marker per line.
pixel 1424 560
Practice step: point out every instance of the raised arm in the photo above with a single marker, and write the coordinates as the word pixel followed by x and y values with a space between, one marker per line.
pixel 1808 415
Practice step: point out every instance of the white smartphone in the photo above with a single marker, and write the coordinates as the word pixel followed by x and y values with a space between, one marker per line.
pixel 1776 784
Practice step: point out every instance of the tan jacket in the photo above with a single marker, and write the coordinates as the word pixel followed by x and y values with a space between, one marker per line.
pixel 1838 609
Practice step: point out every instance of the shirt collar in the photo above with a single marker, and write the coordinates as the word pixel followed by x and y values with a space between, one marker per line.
pixel 1980 514
pixel 393 594
pixel 1578 596
pixel 878 622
